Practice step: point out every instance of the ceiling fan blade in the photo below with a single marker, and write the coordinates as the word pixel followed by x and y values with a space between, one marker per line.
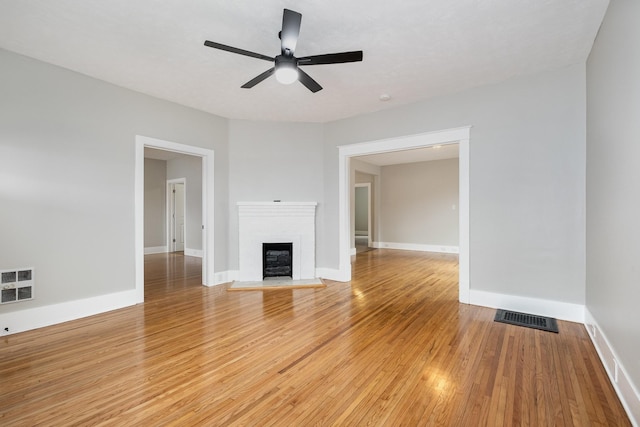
pixel 238 51
pixel 331 58
pixel 290 31
pixel 254 81
pixel 306 80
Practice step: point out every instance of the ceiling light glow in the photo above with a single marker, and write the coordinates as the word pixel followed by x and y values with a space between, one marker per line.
pixel 286 69
pixel 286 75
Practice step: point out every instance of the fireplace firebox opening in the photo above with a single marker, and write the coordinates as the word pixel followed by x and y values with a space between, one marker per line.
pixel 277 260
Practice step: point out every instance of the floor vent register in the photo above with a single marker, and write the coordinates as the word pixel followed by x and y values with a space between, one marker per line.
pixel 528 320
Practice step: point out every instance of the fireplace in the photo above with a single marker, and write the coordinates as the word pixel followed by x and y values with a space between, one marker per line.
pixel 277 260
pixel 291 223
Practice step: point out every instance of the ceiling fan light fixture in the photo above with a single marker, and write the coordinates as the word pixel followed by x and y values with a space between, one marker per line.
pixel 286 70
pixel 286 75
pixel 286 64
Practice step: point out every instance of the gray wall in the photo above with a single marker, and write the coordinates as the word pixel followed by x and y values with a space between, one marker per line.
pixel 417 201
pixel 155 203
pixel 156 174
pixel 275 161
pixel 613 199
pixel 527 178
pixel 68 147
pixel 190 168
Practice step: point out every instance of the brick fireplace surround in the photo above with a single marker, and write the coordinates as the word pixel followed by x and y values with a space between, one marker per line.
pixel 276 222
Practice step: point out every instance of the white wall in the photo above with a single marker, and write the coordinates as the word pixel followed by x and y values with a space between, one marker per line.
pixel 527 178
pixel 274 161
pixel 190 168
pixel 419 203
pixel 613 197
pixel 67 183
pixel 155 203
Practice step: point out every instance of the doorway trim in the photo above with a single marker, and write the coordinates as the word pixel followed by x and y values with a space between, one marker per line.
pixel 448 136
pixel 207 205
pixel 367 185
pixel 170 208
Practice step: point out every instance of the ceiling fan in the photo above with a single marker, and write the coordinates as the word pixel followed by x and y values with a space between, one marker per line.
pixel 286 64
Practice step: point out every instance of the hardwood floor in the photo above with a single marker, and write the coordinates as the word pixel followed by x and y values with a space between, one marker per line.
pixel 394 347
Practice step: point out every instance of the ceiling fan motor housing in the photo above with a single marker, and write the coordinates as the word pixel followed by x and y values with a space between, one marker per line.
pixel 286 62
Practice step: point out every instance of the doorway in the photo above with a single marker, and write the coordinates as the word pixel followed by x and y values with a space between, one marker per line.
pixel 346 152
pixel 207 158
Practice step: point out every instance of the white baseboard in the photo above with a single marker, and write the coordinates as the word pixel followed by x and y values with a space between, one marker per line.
pixel 417 247
pixel 331 274
pixel 540 307
pixel 353 251
pixel 39 317
pixel 621 382
pixel 224 277
pixel 629 396
pixel 155 250
pixel 193 252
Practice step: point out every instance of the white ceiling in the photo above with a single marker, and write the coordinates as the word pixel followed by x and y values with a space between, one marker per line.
pixel 152 153
pixel 413 49
pixel 435 152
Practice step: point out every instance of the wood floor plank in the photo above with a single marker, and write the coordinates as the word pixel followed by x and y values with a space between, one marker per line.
pixel 392 347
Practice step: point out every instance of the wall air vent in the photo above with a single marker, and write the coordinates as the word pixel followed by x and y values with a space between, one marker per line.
pixel 16 285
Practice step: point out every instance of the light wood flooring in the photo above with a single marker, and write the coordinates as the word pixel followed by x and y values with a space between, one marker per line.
pixel 391 348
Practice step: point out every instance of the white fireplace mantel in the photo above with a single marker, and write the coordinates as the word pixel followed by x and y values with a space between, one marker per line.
pixel 276 222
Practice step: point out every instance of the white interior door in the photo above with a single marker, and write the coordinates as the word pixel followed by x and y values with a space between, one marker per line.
pixel 177 216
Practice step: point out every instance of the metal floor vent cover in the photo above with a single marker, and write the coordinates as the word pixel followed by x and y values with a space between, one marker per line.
pixel 528 320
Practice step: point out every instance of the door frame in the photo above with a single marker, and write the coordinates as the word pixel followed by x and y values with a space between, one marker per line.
pixel 170 209
pixel 448 136
pixel 207 156
pixel 367 185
